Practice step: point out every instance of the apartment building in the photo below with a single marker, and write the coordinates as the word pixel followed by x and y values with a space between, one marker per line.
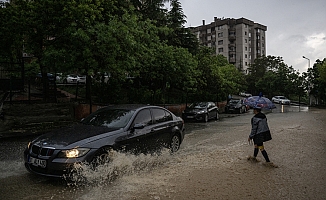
pixel 241 40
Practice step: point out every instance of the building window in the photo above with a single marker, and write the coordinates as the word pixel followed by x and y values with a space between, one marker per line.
pixel 246 41
pixel 249 34
pixel 220 42
pixel 245 32
pixel 246 48
pixel 250 49
pixel 246 56
pixel 220 50
pixel 246 25
pixel 219 27
pixel 263 44
pixel 258 30
pixel 262 37
pixel 246 63
pixel 212 29
pixel 220 34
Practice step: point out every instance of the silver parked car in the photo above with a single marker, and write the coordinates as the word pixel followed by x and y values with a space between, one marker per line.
pixel 126 128
pixel 281 100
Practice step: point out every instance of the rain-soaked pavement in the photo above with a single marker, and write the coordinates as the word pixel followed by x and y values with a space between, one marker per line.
pixel 211 164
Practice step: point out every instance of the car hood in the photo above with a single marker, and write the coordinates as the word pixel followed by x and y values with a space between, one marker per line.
pixel 72 134
pixel 233 104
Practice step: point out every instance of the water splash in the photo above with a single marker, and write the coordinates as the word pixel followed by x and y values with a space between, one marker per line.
pixel 121 164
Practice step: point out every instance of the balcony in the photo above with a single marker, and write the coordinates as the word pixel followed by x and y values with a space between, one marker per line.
pixel 232 37
pixel 232 60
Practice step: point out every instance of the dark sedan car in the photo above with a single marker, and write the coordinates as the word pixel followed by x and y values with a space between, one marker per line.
pixel 236 106
pixel 136 129
pixel 201 111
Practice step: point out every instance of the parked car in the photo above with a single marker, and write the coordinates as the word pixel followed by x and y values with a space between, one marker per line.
pixel 81 79
pixel 201 111
pixel 236 105
pixel 281 100
pixel 70 78
pixel 245 94
pixel 102 77
pixel 124 128
pixel 38 78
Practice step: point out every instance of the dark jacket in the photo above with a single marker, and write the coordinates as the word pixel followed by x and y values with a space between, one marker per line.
pixel 259 125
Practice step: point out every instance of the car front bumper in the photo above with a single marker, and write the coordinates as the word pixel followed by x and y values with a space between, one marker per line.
pixel 54 167
pixel 193 116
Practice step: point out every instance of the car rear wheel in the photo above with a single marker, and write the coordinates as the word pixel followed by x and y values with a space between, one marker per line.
pixel 175 143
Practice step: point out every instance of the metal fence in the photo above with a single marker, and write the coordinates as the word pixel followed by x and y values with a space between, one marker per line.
pixel 11 76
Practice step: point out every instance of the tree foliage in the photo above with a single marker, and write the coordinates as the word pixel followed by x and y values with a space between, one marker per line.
pixel 144 47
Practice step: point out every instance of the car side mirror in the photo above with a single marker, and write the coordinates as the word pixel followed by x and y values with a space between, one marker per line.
pixel 138 126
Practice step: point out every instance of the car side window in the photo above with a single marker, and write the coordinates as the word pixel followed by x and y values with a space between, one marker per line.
pixel 168 116
pixel 161 115
pixel 158 115
pixel 143 117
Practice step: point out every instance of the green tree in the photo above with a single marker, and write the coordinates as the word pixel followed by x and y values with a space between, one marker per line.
pixel 271 76
pixel 179 35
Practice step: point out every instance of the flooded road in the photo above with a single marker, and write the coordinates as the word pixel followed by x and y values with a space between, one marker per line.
pixel 211 164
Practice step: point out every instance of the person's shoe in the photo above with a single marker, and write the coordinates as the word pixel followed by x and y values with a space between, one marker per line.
pixel 253 159
pixel 270 164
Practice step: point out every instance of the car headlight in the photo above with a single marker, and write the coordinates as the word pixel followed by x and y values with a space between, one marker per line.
pixel 29 145
pixel 201 112
pixel 73 153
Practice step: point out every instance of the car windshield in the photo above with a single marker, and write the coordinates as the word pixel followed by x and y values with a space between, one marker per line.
pixel 234 101
pixel 198 105
pixel 112 118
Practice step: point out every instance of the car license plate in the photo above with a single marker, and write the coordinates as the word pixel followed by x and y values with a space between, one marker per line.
pixel 37 162
pixel 190 117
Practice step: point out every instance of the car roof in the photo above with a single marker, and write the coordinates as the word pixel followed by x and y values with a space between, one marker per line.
pixel 130 106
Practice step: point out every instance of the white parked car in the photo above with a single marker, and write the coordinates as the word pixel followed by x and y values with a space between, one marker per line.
pixel 81 79
pixel 281 100
pixel 245 94
pixel 71 78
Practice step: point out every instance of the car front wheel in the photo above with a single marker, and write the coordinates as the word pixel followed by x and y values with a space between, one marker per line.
pixel 103 156
pixel 216 116
pixel 206 118
pixel 175 143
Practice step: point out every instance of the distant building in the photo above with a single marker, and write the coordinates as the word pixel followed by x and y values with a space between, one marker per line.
pixel 241 41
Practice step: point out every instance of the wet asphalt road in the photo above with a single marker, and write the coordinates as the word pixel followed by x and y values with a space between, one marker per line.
pixel 17 183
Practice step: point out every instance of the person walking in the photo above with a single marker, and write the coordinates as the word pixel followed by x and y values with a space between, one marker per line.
pixel 260 133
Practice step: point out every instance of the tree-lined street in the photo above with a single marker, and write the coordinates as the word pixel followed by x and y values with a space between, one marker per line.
pixel 211 164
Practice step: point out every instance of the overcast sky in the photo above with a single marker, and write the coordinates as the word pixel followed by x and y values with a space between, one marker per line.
pixel 295 28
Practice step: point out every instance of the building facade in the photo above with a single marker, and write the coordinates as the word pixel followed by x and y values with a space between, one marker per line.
pixel 241 40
